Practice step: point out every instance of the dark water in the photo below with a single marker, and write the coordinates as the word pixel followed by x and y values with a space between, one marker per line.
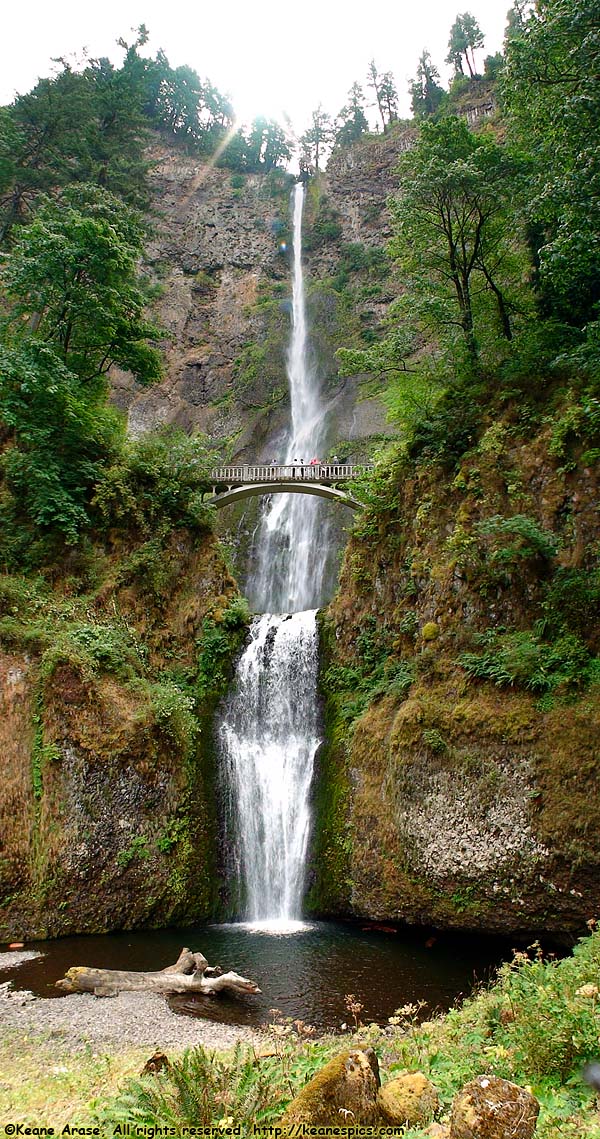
pixel 306 974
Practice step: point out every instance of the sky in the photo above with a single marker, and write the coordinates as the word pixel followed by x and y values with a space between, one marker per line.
pixel 273 58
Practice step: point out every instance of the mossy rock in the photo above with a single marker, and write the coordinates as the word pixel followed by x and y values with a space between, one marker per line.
pixel 344 1091
pixel 430 631
pixel 491 1108
pixel 408 1100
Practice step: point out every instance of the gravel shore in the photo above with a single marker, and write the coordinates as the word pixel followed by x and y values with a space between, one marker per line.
pixel 127 1019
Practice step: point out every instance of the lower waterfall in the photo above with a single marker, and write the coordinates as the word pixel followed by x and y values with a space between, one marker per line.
pixel 269 737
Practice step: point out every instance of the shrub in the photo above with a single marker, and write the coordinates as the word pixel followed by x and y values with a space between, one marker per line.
pixel 516 538
pixel 523 659
pixel 157 480
pixel 554 1021
pixel 205 1088
pixel 173 711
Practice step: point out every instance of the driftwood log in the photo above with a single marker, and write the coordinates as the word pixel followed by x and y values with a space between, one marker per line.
pixel 191 973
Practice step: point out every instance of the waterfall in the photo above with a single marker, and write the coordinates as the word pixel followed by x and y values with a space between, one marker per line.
pixel 269 733
pixel 270 738
pixel 292 538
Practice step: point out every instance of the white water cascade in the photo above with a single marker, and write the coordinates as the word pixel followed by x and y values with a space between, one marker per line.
pixel 270 730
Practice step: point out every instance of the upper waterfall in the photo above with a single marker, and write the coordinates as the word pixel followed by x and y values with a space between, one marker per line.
pixel 292 537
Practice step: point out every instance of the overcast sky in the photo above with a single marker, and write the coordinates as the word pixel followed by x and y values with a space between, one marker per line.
pixel 272 58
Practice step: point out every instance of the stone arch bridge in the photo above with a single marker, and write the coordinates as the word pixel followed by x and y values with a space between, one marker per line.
pixel 231 484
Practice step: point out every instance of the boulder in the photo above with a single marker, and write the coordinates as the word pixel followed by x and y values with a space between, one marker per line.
pixel 491 1108
pixel 344 1092
pixel 409 1099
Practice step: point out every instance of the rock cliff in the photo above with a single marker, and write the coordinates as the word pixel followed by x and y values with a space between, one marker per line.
pixel 108 809
pixel 460 775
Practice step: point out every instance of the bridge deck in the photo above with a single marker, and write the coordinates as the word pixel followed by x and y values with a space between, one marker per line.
pixel 324 473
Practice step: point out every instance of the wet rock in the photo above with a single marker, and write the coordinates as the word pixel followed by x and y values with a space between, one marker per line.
pixel 410 1099
pixel 344 1092
pixel 491 1108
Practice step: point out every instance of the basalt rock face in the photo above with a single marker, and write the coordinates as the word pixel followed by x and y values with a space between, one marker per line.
pixel 445 799
pixel 107 816
pixel 220 258
pixel 218 249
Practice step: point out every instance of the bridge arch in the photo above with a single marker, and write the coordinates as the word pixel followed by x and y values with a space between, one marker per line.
pixel 236 494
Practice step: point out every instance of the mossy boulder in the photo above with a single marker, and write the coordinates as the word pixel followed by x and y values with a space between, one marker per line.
pixel 408 1100
pixel 343 1092
pixel 491 1108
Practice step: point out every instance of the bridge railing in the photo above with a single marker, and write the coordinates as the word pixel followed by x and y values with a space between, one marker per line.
pixel 276 472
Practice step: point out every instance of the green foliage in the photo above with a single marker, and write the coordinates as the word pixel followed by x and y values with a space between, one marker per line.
pixel 324 227
pixel 73 277
pixel 465 36
pixel 571 597
pixel 371 262
pixel 315 140
pixel 94 649
pixel 386 95
pixel 552 95
pixel 425 91
pixel 222 635
pixel 525 660
pixel 534 1026
pixel 374 674
pixel 204 1088
pixel 60 438
pixel 351 122
pixel 563 994
pixel 76 127
pixel 435 741
pixel 448 428
pixel 137 849
pixel 155 480
pixel 455 232
pixel 173 710
pixel 42 753
pixel 514 539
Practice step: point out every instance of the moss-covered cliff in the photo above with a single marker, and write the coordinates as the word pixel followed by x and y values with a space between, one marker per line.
pixel 108 680
pixel 460 776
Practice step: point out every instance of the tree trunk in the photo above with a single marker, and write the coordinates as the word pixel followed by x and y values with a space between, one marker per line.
pixel 191 973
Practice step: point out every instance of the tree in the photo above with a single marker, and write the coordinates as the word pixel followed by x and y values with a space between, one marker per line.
pixel 267 145
pixel 316 139
pixel 386 95
pixel 352 122
pixel 454 228
pixel 551 91
pixel 77 127
pixel 465 37
pixel 60 436
pixel 426 93
pixel 73 282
